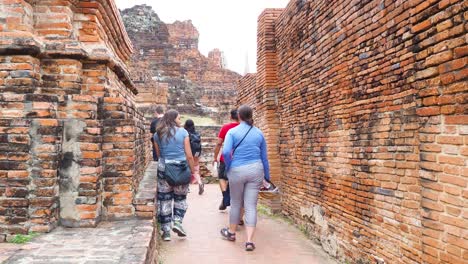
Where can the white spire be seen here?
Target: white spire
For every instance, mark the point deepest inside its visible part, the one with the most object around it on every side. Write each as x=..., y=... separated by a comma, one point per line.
x=246, y=69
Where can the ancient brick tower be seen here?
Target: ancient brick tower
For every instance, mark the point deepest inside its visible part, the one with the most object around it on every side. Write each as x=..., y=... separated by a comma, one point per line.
x=167, y=63
x=72, y=143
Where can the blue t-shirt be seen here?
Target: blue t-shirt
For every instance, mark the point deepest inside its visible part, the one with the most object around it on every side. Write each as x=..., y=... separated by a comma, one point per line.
x=252, y=149
x=174, y=148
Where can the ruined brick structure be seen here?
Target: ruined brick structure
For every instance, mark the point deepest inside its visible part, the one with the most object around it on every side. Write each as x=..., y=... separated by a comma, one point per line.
x=168, y=55
x=73, y=146
x=364, y=106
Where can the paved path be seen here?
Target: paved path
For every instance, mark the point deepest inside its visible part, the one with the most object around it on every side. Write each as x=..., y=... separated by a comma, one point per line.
x=276, y=241
x=110, y=242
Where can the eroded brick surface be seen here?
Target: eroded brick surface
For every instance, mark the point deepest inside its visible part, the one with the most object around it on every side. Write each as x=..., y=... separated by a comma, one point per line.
x=368, y=105
x=73, y=144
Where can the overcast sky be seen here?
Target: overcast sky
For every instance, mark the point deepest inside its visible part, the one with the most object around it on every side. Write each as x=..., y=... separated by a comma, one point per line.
x=230, y=25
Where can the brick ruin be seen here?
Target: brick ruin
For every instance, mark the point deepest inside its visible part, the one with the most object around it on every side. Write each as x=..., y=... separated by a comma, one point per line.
x=167, y=63
x=364, y=107
x=73, y=145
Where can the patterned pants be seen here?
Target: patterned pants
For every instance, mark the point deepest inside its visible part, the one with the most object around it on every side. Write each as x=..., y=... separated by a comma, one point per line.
x=170, y=199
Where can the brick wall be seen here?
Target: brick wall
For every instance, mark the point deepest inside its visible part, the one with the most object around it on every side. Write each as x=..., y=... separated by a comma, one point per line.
x=73, y=147
x=372, y=117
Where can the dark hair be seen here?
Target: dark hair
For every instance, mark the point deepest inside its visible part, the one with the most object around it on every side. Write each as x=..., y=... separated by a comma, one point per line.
x=189, y=125
x=245, y=114
x=167, y=125
x=234, y=114
x=159, y=109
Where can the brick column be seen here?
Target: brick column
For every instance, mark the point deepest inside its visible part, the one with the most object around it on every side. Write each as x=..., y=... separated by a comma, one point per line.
x=29, y=129
x=266, y=109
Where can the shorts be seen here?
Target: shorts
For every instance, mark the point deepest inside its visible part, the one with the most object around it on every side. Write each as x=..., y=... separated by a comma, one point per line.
x=222, y=171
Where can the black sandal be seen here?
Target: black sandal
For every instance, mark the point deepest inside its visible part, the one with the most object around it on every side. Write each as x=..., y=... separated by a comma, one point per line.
x=249, y=246
x=228, y=235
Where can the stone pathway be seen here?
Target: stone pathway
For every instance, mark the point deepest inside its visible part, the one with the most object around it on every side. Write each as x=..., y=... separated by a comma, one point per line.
x=144, y=199
x=110, y=242
x=125, y=242
x=276, y=241
x=128, y=241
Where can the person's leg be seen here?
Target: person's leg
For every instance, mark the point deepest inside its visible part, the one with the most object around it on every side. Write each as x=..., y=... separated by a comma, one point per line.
x=252, y=187
x=236, y=187
x=196, y=173
x=180, y=207
x=223, y=184
x=165, y=196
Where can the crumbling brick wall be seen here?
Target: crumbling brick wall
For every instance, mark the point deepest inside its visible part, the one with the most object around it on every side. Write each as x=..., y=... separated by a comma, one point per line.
x=372, y=112
x=73, y=146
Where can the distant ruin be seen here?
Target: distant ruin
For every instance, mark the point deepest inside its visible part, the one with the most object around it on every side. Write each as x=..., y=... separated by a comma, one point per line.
x=168, y=64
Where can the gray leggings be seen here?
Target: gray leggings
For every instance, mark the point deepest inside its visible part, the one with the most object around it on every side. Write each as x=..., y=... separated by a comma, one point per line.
x=244, y=184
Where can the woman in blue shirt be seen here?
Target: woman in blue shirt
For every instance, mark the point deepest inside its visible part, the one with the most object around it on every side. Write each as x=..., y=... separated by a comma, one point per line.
x=245, y=156
x=172, y=146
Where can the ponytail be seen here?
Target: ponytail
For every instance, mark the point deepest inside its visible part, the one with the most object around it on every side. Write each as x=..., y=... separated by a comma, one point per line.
x=245, y=114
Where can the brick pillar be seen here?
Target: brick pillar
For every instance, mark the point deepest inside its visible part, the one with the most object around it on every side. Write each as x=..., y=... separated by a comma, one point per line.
x=266, y=111
x=80, y=149
x=29, y=130
x=119, y=159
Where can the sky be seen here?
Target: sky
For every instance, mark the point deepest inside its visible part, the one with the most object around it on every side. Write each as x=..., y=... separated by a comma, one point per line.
x=229, y=25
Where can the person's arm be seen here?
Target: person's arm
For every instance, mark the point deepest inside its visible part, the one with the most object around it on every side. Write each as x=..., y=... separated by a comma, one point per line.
x=188, y=154
x=227, y=149
x=264, y=156
x=219, y=144
x=153, y=127
x=156, y=148
x=156, y=144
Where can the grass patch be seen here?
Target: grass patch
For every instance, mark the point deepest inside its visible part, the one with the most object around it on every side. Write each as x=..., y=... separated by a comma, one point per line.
x=198, y=120
x=265, y=211
x=21, y=239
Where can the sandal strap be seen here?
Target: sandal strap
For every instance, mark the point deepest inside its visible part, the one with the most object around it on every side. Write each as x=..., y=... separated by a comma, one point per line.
x=228, y=234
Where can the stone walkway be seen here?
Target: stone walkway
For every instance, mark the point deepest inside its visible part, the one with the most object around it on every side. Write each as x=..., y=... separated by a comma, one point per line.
x=276, y=241
x=127, y=242
x=110, y=242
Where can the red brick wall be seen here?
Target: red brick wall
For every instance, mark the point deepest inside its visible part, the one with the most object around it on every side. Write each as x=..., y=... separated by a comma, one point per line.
x=67, y=104
x=372, y=110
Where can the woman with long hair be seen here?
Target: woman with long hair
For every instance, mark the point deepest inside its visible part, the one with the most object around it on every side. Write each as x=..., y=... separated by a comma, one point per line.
x=195, y=144
x=172, y=146
x=245, y=156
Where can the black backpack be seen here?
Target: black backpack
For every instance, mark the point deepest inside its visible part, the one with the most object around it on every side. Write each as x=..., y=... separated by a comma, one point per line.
x=195, y=144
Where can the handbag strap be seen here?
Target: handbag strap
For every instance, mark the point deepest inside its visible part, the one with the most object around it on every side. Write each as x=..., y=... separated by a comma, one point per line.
x=234, y=150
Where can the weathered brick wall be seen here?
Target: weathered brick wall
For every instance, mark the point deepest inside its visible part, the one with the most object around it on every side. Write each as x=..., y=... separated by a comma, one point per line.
x=261, y=92
x=66, y=102
x=372, y=105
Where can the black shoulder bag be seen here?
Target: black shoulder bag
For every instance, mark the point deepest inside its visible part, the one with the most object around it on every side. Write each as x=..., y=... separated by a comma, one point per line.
x=177, y=174
x=233, y=150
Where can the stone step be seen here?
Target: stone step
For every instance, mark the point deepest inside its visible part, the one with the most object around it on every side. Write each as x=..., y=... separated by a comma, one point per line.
x=144, y=200
x=129, y=241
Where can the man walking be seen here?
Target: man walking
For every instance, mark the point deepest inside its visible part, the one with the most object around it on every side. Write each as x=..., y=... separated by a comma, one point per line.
x=223, y=180
x=159, y=112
